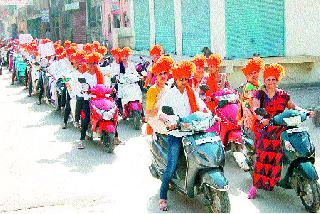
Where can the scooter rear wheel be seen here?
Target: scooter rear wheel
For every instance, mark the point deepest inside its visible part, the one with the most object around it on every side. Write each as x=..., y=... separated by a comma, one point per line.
x=108, y=140
x=137, y=120
x=310, y=195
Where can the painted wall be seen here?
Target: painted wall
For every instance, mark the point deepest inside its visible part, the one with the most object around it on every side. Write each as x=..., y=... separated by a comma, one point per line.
x=302, y=27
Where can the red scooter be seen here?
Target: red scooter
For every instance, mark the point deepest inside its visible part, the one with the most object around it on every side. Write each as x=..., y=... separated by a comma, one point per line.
x=104, y=116
x=227, y=105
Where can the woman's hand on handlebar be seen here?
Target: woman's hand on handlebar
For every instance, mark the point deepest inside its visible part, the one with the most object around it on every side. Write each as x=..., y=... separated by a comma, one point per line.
x=311, y=114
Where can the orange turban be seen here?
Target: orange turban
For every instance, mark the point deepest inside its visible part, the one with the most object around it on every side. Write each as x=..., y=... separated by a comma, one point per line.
x=67, y=44
x=183, y=70
x=214, y=60
x=102, y=50
x=44, y=41
x=88, y=48
x=94, y=57
x=199, y=60
x=126, y=51
x=71, y=50
x=115, y=51
x=255, y=64
x=156, y=50
x=80, y=55
x=274, y=70
x=165, y=63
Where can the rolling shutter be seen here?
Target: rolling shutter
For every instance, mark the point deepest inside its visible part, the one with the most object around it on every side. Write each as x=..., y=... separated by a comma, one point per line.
x=142, y=24
x=195, y=26
x=255, y=27
x=164, y=24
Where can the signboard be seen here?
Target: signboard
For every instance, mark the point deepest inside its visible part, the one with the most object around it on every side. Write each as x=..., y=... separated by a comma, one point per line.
x=46, y=49
x=72, y=6
x=16, y=2
x=25, y=38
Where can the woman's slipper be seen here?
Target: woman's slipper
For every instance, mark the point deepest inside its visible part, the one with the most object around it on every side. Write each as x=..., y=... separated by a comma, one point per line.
x=163, y=206
x=252, y=193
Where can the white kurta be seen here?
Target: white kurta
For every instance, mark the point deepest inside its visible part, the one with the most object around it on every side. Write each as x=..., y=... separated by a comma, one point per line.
x=179, y=102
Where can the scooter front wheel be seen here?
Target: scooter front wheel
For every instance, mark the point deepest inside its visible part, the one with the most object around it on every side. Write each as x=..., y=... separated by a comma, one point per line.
x=310, y=195
x=137, y=120
x=108, y=140
x=220, y=202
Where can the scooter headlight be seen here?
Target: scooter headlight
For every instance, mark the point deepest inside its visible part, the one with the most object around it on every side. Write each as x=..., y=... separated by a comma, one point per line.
x=288, y=146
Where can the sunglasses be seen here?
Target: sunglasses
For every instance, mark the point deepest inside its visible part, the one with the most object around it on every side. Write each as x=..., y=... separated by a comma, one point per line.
x=184, y=79
x=163, y=74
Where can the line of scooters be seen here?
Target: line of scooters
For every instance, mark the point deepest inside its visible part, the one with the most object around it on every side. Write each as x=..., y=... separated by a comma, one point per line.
x=200, y=169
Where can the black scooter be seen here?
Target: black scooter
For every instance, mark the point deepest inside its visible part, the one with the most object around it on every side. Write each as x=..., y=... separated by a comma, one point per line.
x=200, y=166
x=298, y=171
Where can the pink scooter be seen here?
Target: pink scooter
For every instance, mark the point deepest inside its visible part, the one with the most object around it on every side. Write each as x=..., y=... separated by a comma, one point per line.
x=228, y=128
x=104, y=116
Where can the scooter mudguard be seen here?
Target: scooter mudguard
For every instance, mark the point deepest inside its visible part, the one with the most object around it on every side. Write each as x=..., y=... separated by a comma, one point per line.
x=107, y=126
x=215, y=178
x=235, y=136
x=308, y=171
x=135, y=106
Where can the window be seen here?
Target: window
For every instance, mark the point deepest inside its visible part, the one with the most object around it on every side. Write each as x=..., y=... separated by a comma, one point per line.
x=116, y=20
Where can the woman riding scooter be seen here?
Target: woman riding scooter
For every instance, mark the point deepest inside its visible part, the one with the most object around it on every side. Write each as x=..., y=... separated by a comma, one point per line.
x=184, y=101
x=267, y=169
x=161, y=70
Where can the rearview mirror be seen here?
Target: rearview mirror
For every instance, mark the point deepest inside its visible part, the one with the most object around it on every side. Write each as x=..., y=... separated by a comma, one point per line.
x=222, y=103
x=167, y=110
x=204, y=87
x=261, y=111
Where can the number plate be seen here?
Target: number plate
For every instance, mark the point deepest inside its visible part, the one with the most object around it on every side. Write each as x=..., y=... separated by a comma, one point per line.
x=207, y=140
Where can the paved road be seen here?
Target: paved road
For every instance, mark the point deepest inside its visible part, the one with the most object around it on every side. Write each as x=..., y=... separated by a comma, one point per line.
x=42, y=171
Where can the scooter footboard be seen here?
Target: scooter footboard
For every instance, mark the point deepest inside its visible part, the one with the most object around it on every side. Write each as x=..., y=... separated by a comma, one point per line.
x=308, y=171
x=215, y=178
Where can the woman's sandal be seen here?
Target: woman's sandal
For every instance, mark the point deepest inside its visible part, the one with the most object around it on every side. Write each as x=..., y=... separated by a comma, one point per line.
x=252, y=193
x=163, y=205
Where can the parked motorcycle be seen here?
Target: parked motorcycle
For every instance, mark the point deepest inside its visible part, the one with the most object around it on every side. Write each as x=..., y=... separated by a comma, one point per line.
x=131, y=97
x=200, y=166
x=298, y=171
x=230, y=132
x=104, y=116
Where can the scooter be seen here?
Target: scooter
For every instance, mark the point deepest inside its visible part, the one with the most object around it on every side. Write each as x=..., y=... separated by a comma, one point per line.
x=298, y=171
x=200, y=165
x=228, y=128
x=142, y=69
x=20, y=69
x=131, y=97
x=104, y=116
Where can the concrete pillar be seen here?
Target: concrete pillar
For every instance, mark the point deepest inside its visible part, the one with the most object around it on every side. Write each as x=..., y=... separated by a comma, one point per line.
x=152, y=23
x=178, y=26
x=218, y=27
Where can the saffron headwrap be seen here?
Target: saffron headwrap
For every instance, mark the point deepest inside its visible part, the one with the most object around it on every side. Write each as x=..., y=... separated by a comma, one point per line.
x=255, y=64
x=275, y=70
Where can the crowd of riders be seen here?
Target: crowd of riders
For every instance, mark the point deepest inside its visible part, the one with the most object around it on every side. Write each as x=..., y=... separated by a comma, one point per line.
x=187, y=86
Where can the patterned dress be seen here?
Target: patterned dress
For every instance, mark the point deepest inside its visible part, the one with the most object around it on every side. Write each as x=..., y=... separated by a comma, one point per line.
x=267, y=171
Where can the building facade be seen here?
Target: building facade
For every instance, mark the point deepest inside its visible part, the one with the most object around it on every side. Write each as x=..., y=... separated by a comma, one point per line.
x=235, y=29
